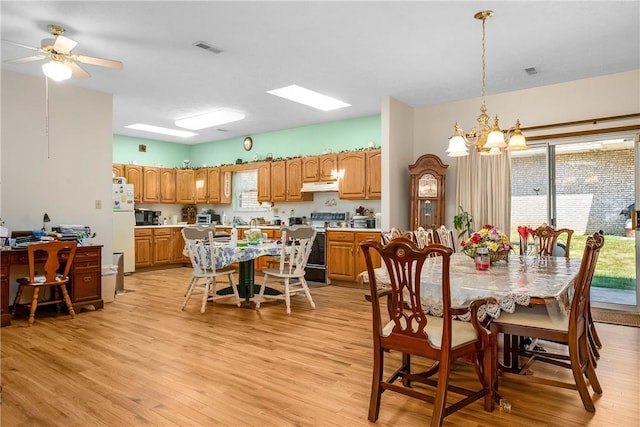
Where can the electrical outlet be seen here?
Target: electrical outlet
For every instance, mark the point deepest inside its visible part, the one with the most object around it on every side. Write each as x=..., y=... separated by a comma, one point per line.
x=98, y=204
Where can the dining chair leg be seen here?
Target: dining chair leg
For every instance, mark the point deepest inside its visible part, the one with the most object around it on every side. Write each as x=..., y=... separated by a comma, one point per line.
x=192, y=285
x=305, y=287
x=579, y=376
x=67, y=301
x=261, y=293
x=17, y=300
x=441, y=393
x=205, y=294
x=376, y=389
x=34, y=305
x=287, y=295
x=234, y=288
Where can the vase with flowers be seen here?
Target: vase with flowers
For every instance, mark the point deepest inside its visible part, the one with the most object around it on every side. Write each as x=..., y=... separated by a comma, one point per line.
x=489, y=237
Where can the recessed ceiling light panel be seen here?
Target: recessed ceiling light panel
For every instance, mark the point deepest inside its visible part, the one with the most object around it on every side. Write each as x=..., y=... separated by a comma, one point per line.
x=207, y=120
x=161, y=130
x=308, y=97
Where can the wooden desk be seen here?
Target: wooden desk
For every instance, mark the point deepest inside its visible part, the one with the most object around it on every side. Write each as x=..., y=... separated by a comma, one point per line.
x=85, y=278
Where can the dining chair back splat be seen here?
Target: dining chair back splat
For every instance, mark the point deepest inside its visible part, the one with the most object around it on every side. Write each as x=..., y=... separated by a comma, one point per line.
x=296, y=246
x=394, y=233
x=52, y=277
x=406, y=328
x=200, y=251
x=445, y=237
x=539, y=322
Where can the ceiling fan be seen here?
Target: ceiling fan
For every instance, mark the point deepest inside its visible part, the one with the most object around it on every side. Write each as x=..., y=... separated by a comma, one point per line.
x=61, y=59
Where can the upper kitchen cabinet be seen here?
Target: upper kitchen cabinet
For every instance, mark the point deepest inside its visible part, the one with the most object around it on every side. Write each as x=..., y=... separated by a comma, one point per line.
x=167, y=185
x=133, y=174
x=219, y=186
x=117, y=170
x=428, y=175
x=201, y=180
x=362, y=174
x=264, y=181
x=150, y=184
x=294, y=181
x=185, y=186
x=319, y=168
x=279, y=181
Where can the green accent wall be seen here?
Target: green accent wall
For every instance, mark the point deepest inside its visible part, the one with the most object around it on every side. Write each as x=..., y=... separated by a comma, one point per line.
x=158, y=153
x=343, y=135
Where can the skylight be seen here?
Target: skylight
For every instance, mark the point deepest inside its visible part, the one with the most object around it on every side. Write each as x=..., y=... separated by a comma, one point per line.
x=211, y=119
x=308, y=97
x=161, y=130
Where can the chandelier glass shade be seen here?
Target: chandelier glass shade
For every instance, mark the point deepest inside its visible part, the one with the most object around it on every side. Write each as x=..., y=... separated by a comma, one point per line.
x=487, y=139
x=56, y=70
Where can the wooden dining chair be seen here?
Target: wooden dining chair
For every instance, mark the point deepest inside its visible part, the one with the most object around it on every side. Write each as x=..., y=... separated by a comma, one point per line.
x=394, y=233
x=200, y=251
x=55, y=277
x=445, y=237
x=550, y=324
x=558, y=243
x=404, y=327
x=296, y=246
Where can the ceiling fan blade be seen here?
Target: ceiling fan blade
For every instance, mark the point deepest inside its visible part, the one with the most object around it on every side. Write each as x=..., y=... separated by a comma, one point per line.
x=37, y=49
x=64, y=44
x=77, y=71
x=110, y=63
x=27, y=59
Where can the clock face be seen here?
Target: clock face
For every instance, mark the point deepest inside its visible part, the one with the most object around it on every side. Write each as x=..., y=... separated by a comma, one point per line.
x=247, y=143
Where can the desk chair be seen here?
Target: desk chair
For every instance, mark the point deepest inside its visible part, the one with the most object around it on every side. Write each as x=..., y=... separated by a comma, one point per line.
x=295, y=250
x=200, y=253
x=404, y=327
x=55, y=276
x=548, y=323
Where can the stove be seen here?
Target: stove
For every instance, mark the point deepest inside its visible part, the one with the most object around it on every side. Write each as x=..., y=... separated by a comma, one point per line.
x=316, y=270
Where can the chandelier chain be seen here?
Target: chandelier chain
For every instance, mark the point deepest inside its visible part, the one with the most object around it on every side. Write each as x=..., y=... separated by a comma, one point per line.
x=484, y=20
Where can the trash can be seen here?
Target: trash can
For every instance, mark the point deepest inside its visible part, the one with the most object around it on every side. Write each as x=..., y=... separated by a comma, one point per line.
x=109, y=273
x=118, y=259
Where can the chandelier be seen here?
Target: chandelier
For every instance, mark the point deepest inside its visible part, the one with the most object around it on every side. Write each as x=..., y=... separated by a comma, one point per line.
x=488, y=140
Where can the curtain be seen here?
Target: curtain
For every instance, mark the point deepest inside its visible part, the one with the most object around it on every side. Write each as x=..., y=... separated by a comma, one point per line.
x=483, y=188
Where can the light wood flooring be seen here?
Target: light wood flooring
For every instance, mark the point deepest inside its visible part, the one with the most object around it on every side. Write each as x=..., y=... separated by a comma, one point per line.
x=141, y=361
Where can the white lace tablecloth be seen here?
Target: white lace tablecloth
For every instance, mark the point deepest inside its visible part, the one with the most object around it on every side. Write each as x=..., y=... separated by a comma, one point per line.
x=510, y=283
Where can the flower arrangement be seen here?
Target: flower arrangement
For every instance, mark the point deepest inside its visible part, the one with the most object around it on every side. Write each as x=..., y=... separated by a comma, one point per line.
x=489, y=237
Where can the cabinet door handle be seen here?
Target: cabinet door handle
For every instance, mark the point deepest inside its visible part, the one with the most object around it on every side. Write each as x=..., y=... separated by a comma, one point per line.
x=86, y=279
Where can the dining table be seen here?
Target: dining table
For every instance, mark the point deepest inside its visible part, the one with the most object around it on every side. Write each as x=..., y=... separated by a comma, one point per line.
x=517, y=280
x=224, y=254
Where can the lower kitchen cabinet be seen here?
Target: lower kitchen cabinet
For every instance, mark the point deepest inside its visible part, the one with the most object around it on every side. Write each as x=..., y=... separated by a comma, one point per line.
x=153, y=246
x=345, y=258
x=177, y=245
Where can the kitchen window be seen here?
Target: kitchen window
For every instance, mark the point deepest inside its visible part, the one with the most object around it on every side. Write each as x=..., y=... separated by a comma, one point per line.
x=245, y=185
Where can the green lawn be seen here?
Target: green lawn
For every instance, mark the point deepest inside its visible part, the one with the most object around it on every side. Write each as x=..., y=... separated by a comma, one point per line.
x=616, y=268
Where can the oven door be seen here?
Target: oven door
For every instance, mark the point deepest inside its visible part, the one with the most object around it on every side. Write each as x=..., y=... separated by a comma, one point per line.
x=316, y=270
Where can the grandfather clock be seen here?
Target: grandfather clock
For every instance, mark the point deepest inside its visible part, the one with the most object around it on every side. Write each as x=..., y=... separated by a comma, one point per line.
x=427, y=192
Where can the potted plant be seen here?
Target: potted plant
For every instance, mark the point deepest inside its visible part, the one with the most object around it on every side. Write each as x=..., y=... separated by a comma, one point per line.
x=463, y=223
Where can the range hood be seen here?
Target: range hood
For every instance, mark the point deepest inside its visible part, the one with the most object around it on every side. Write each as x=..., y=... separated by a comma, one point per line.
x=316, y=187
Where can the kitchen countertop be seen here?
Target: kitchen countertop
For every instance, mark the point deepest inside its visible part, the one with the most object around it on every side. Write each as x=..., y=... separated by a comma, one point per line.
x=266, y=227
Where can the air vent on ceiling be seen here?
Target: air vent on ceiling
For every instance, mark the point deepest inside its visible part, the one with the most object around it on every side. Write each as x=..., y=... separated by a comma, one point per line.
x=222, y=130
x=207, y=46
x=531, y=70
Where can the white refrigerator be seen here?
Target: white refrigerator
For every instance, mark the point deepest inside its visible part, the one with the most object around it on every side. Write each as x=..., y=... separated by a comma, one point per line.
x=124, y=221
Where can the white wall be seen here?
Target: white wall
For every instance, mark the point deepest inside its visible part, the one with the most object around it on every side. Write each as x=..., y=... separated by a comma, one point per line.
x=397, y=155
x=66, y=175
x=611, y=95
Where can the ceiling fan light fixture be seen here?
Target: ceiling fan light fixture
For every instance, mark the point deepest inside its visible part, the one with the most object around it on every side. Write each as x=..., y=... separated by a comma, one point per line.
x=56, y=70
x=207, y=120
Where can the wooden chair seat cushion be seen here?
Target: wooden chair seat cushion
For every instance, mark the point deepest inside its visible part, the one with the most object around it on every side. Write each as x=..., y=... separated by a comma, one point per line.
x=461, y=332
x=540, y=316
x=277, y=273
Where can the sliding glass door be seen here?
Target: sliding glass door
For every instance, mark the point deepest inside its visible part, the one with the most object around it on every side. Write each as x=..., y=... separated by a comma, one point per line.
x=585, y=185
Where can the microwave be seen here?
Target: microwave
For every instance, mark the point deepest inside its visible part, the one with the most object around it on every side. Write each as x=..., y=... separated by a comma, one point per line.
x=203, y=219
x=147, y=217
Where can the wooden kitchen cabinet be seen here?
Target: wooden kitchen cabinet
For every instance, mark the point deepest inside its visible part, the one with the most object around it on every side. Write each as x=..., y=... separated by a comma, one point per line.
x=117, y=170
x=153, y=246
x=185, y=186
x=279, y=181
x=294, y=181
x=151, y=184
x=213, y=185
x=177, y=247
x=201, y=188
x=345, y=258
x=86, y=278
x=264, y=181
x=362, y=174
x=319, y=168
x=167, y=185
x=133, y=173
x=340, y=255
